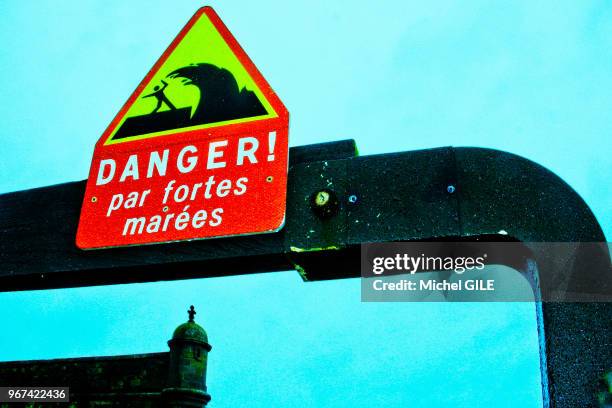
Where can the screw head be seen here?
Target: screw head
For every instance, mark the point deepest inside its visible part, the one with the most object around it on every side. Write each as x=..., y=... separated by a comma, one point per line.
x=321, y=198
x=324, y=203
x=165, y=209
x=269, y=179
x=352, y=199
x=94, y=199
x=450, y=189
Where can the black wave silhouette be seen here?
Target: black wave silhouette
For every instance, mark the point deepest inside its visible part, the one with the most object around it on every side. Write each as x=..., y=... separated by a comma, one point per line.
x=220, y=100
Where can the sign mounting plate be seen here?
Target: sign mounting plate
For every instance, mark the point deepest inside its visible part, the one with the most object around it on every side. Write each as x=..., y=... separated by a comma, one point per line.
x=199, y=150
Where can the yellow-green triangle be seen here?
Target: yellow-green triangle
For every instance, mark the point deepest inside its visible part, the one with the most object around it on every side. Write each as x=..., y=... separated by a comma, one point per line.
x=202, y=44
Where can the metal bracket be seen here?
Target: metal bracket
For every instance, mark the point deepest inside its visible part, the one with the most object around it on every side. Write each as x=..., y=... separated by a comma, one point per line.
x=445, y=193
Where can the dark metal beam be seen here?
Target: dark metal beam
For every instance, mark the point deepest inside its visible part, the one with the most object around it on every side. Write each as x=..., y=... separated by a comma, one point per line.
x=444, y=193
x=37, y=242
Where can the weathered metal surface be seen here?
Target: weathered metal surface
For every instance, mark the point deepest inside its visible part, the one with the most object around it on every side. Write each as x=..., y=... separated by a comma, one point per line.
x=37, y=249
x=445, y=193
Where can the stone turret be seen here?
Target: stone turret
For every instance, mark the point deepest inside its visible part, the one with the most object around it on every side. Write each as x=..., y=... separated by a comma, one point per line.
x=186, y=385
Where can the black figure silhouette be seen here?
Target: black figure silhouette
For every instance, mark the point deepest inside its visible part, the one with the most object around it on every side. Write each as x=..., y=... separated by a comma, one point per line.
x=161, y=97
x=220, y=100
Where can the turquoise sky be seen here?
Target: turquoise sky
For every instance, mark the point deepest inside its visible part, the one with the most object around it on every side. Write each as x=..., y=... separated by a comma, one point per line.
x=532, y=79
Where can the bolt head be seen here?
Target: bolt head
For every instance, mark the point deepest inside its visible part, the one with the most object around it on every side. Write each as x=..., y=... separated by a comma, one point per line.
x=321, y=198
x=324, y=203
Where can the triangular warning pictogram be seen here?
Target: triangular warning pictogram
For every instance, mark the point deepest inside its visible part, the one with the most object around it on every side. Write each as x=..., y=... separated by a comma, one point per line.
x=203, y=80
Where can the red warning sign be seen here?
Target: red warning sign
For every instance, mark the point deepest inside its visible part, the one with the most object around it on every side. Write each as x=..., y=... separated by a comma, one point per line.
x=199, y=150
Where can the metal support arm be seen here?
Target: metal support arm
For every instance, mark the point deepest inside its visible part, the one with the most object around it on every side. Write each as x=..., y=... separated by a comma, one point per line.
x=443, y=193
